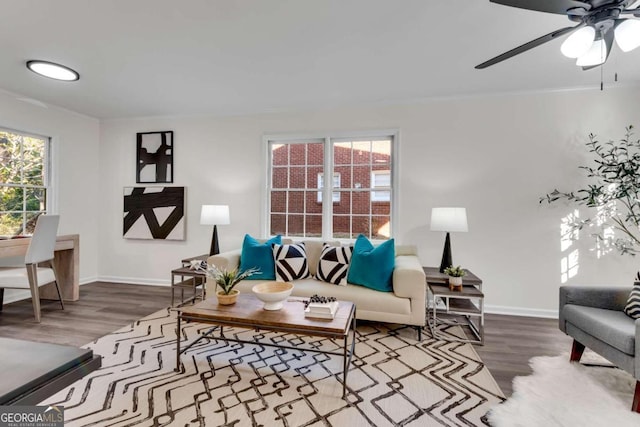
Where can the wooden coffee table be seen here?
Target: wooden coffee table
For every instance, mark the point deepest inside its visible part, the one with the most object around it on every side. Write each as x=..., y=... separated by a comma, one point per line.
x=248, y=313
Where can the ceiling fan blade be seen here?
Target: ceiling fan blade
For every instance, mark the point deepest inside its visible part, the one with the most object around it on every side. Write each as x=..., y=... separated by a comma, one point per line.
x=608, y=41
x=550, y=6
x=527, y=46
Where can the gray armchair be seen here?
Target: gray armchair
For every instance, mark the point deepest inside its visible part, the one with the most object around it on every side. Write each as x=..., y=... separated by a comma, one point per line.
x=594, y=318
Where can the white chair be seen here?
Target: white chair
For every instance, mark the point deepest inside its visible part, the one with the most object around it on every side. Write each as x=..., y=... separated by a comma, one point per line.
x=32, y=276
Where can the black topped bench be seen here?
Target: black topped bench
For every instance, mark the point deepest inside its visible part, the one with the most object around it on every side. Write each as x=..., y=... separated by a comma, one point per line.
x=31, y=371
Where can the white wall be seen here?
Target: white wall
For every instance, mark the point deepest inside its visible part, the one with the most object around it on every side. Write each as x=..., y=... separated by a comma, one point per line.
x=75, y=166
x=494, y=155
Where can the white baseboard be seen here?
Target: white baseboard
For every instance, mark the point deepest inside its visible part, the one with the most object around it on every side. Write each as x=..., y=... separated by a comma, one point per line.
x=134, y=280
x=86, y=280
x=521, y=311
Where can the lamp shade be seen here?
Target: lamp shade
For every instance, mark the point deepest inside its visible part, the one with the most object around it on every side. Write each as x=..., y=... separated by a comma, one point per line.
x=449, y=219
x=578, y=43
x=596, y=55
x=214, y=215
x=628, y=34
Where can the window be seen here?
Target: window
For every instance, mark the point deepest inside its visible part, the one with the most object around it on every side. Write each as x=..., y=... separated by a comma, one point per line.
x=24, y=183
x=361, y=189
x=335, y=196
x=381, y=184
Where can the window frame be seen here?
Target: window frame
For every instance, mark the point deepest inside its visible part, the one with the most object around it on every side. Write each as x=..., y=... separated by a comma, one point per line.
x=48, y=175
x=328, y=138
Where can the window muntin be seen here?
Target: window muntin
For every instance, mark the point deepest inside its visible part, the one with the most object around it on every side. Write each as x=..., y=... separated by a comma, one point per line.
x=335, y=196
x=361, y=189
x=24, y=183
x=358, y=160
x=295, y=210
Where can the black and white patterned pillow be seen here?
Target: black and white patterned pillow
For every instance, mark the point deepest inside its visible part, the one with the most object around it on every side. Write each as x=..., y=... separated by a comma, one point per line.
x=632, y=309
x=334, y=264
x=290, y=261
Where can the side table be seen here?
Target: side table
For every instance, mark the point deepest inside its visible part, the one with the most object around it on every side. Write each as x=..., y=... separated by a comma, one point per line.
x=189, y=279
x=467, y=303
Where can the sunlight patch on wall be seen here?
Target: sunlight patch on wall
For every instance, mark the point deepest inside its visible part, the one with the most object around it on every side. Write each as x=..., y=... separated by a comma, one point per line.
x=567, y=233
x=603, y=213
x=569, y=264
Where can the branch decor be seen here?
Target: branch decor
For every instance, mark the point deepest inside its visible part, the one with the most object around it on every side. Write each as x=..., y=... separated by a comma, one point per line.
x=613, y=188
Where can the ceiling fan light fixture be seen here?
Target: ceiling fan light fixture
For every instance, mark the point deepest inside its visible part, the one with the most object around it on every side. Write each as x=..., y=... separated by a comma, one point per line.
x=53, y=70
x=628, y=35
x=596, y=55
x=578, y=43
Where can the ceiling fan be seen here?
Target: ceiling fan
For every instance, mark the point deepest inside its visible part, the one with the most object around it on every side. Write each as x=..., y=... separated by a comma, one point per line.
x=590, y=42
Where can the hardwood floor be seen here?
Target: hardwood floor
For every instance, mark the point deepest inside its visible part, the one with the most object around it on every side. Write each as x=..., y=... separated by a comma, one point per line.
x=104, y=307
x=510, y=341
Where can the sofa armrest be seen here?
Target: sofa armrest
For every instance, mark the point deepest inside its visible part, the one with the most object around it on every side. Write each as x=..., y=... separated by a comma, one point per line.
x=409, y=282
x=408, y=277
x=226, y=260
x=607, y=297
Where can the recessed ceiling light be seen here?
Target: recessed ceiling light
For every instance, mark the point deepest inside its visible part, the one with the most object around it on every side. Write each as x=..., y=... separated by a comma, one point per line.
x=53, y=71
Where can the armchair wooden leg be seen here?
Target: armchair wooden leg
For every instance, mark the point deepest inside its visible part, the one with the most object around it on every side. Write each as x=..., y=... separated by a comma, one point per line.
x=576, y=351
x=33, y=286
x=635, y=406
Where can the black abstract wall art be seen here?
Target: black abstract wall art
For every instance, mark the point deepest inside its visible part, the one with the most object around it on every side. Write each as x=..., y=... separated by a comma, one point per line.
x=154, y=161
x=154, y=213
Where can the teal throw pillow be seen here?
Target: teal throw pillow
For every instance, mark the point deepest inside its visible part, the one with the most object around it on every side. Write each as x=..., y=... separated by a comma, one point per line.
x=372, y=266
x=259, y=255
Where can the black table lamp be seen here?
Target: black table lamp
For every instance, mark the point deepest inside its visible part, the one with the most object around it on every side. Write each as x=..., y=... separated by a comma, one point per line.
x=214, y=215
x=449, y=220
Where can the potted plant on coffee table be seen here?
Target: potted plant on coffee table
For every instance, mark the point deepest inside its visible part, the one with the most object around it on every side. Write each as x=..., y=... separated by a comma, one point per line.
x=455, y=277
x=227, y=281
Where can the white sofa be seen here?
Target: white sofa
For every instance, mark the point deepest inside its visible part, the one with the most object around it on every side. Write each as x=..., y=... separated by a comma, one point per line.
x=405, y=305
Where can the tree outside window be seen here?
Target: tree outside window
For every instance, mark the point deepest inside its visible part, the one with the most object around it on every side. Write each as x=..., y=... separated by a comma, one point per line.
x=23, y=181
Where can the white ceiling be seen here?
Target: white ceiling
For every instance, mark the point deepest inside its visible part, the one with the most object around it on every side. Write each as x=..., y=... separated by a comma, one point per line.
x=170, y=57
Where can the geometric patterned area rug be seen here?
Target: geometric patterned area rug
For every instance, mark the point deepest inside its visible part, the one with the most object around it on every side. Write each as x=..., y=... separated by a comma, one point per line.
x=394, y=380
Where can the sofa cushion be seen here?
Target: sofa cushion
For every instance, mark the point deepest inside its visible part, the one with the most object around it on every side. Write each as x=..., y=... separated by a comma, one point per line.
x=372, y=266
x=632, y=309
x=610, y=326
x=366, y=300
x=259, y=255
x=290, y=262
x=333, y=265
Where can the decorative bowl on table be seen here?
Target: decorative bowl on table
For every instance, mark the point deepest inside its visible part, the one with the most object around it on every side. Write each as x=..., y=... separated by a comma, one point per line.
x=273, y=294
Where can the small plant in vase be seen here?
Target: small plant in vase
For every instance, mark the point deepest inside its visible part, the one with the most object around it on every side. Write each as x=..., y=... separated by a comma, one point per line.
x=227, y=281
x=455, y=277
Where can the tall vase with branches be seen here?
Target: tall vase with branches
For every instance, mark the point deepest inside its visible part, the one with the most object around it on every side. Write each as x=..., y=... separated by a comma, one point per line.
x=613, y=188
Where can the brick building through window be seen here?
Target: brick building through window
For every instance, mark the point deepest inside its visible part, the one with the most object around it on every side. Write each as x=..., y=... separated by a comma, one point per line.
x=361, y=189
